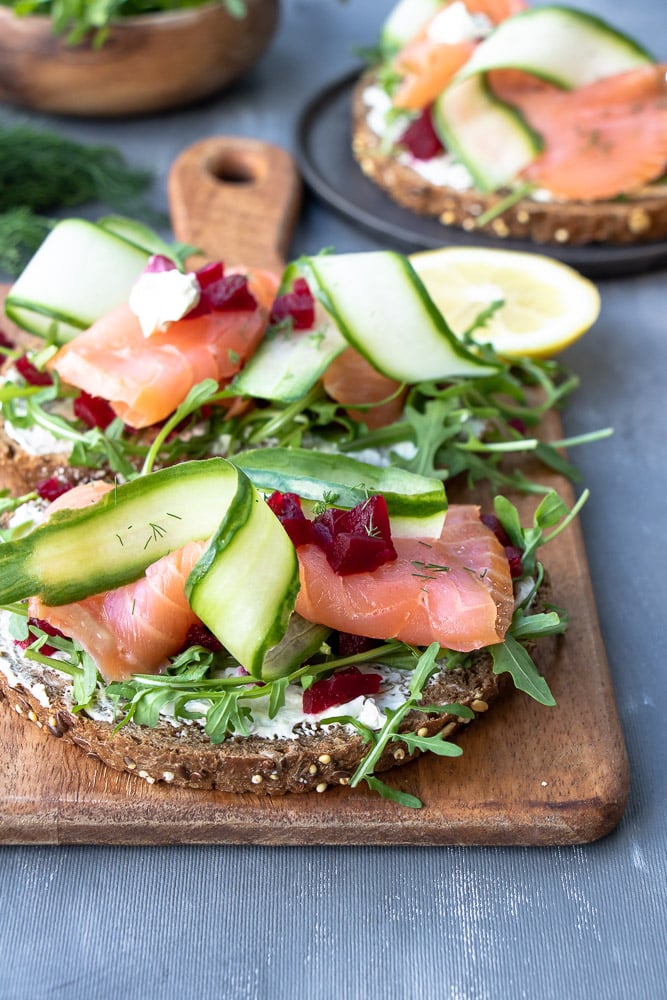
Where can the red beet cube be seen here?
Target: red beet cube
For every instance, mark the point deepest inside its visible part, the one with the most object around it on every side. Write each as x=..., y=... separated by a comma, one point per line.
x=287, y=508
x=420, y=138
x=5, y=341
x=199, y=635
x=32, y=375
x=492, y=522
x=341, y=687
x=93, y=411
x=348, y=644
x=209, y=274
x=39, y=623
x=230, y=293
x=297, y=305
x=514, y=558
x=52, y=488
x=158, y=262
x=356, y=540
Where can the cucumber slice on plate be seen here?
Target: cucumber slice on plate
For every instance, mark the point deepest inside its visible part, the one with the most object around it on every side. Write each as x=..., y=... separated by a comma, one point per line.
x=559, y=44
x=243, y=587
x=417, y=504
x=382, y=308
x=80, y=272
x=490, y=137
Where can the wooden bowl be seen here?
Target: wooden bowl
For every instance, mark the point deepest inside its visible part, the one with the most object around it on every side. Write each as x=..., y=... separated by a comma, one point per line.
x=147, y=64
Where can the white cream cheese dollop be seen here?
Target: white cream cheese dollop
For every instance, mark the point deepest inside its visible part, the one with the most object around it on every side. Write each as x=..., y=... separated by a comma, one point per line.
x=454, y=25
x=158, y=298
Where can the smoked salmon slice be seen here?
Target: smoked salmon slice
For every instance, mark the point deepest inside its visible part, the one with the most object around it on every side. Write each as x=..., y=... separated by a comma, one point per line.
x=456, y=590
x=351, y=379
x=602, y=140
x=428, y=65
x=146, y=378
x=132, y=629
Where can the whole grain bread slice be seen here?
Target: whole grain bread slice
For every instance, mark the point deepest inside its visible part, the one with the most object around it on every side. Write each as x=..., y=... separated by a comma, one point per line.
x=638, y=218
x=181, y=753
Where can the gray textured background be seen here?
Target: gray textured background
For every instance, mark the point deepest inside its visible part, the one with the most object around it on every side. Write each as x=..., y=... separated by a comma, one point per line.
x=451, y=923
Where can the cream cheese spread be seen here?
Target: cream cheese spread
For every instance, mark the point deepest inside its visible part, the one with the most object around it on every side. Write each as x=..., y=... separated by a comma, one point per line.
x=158, y=298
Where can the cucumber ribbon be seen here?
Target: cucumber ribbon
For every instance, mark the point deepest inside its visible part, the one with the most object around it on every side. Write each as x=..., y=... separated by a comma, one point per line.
x=244, y=585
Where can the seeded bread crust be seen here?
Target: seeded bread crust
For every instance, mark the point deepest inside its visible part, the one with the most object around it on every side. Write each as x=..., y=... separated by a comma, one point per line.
x=183, y=755
x=20, y=472
x=639, y=218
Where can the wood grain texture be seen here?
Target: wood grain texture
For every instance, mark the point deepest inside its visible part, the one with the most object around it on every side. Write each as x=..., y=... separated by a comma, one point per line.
x=236, y=199
x=147, y=64
x=528, y=774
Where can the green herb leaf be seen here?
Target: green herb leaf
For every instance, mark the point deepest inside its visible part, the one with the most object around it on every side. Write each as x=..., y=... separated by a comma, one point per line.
x=431, y=744
x=510, y=657
x=393, y=794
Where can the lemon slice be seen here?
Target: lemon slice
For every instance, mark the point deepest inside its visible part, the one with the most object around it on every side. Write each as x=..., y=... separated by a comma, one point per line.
x=546, y=305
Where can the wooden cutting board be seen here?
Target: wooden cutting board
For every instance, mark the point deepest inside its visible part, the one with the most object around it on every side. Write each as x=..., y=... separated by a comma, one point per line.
x=528, y=774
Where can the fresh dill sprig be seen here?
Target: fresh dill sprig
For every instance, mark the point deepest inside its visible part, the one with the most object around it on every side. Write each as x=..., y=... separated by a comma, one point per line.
x=22, y=232
x=43, y=170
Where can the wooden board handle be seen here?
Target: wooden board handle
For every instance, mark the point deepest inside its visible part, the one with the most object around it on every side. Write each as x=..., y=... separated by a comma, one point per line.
x=236, y=199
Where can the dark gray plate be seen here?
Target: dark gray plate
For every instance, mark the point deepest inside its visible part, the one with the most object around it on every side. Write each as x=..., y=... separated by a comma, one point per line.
x=327, y=164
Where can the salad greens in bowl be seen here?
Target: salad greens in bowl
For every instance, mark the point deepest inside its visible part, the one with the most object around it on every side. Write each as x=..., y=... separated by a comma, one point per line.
x=125, y=57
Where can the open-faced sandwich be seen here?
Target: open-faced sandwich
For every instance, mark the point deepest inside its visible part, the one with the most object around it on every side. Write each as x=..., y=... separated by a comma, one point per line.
x=542, y=123
x=286, y=617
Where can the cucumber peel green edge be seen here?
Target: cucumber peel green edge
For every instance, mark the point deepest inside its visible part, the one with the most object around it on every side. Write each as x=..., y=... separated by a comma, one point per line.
x=111, y=543
x=313, y=475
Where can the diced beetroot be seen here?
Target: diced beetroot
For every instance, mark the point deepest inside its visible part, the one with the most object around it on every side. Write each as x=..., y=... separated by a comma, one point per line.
x=343, y=686
x=420, y=138
x=32, y=375
x=158, y=262
x=199, y=635
x=208, y=278
x=287, y=508
x=93, y=411
x=47, y=649
x=297, y=305
x=356, y=540
x=492, y=522
x=5, y=341
x=513, y=552
x=518, y=424
x=358, y=553
x=230, y=293
x=210, y=273
x=52, y=488
x=348, y=644
x=515, y=559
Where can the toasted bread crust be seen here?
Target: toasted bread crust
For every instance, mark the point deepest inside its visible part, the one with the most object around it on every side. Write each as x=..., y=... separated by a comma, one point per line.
x=640, y=218
x=20, y=471
x=183, y=755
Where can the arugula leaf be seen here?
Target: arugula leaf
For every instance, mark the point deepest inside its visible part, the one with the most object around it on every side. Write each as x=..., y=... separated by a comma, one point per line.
x=433, y=744
x=226, y=716
x=511, y=657
x=393, y=794
x=85, y=681
x=277, y=696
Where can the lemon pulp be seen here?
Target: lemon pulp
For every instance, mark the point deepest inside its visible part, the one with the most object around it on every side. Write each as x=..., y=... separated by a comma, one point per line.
x=546, y=305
